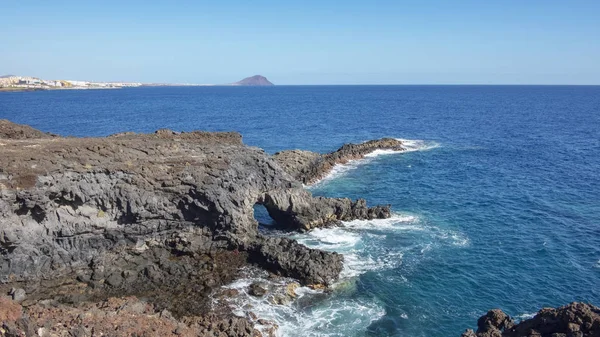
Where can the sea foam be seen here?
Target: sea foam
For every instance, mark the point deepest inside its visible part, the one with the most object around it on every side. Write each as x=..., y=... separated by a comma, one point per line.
x=312, y=313
x=316, y=313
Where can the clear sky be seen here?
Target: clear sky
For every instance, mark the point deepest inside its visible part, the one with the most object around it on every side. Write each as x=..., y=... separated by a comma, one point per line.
x=304, y=42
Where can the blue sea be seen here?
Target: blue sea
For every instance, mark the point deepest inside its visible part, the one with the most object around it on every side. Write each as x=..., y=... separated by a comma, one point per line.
x=497, y=205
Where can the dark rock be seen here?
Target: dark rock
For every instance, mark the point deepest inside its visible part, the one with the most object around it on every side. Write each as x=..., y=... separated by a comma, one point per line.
x=115, y=279
x=305, y=212
x=575, y=319
x=309, y=167
x=257, y=289
x=309, y=266
x=493, y=323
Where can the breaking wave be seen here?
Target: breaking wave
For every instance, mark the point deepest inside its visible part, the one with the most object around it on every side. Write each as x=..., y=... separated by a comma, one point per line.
x=343, y=311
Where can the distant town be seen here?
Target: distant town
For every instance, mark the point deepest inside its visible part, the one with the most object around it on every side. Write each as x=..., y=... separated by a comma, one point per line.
x=16, y=83
x=28, y=83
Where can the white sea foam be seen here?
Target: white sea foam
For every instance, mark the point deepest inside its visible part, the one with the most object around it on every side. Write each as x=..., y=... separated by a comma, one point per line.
x=339, y=170
x=380, y=152
x=397, y=221
x=525, y=316
x=311, y=314
x=315, y=313
x=336, y=239
x=355, y=265
x=412, y=145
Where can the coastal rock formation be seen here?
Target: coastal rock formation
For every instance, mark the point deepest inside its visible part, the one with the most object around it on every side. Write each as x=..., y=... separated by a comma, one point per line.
x=165, y=216
x=573, y=320
x=309, y=167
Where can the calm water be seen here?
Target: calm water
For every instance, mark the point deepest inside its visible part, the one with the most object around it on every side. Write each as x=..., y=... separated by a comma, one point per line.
x=500, y=207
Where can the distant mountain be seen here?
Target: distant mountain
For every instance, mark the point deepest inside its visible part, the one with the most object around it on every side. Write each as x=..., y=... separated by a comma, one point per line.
x=7, y=76
x=256, y=80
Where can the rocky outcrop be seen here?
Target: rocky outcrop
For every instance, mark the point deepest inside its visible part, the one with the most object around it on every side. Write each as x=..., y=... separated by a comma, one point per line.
x=303, y=212
x=165, y=216
x=573, y=320
x=309, y=167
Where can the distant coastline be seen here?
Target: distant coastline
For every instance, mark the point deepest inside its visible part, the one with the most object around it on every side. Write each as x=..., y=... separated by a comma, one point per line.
x=13, y=83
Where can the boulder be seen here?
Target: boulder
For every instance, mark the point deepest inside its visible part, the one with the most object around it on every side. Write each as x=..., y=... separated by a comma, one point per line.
x=257, y=289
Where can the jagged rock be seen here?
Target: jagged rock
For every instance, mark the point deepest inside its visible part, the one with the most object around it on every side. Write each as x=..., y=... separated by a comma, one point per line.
x=167, y=216
x=575, y=319
x=257, y=289
x=302, y=211
x=493, y=323
x=308, y=167
x=288, y=257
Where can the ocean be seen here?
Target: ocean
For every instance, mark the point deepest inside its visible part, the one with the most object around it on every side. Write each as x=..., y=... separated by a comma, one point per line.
x=497, y=205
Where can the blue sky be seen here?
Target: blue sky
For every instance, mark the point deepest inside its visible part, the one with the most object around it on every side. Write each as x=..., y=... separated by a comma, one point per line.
x=307, y=42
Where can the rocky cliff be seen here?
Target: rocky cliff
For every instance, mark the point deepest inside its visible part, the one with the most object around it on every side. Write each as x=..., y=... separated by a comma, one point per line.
x=166, y=216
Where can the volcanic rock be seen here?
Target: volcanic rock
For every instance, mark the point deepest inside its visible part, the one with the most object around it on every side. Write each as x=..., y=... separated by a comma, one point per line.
x=309, y=167
x=257, y=289
x=166, y=216
x=573, y=320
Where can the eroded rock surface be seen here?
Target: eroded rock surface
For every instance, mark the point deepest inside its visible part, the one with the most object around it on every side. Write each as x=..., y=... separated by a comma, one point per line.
x=309, y=167
x=573, y=320
x=166, y=216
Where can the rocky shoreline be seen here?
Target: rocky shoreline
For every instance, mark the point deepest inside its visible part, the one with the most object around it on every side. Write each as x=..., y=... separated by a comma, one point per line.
x=165, y=218
x=132, y=234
